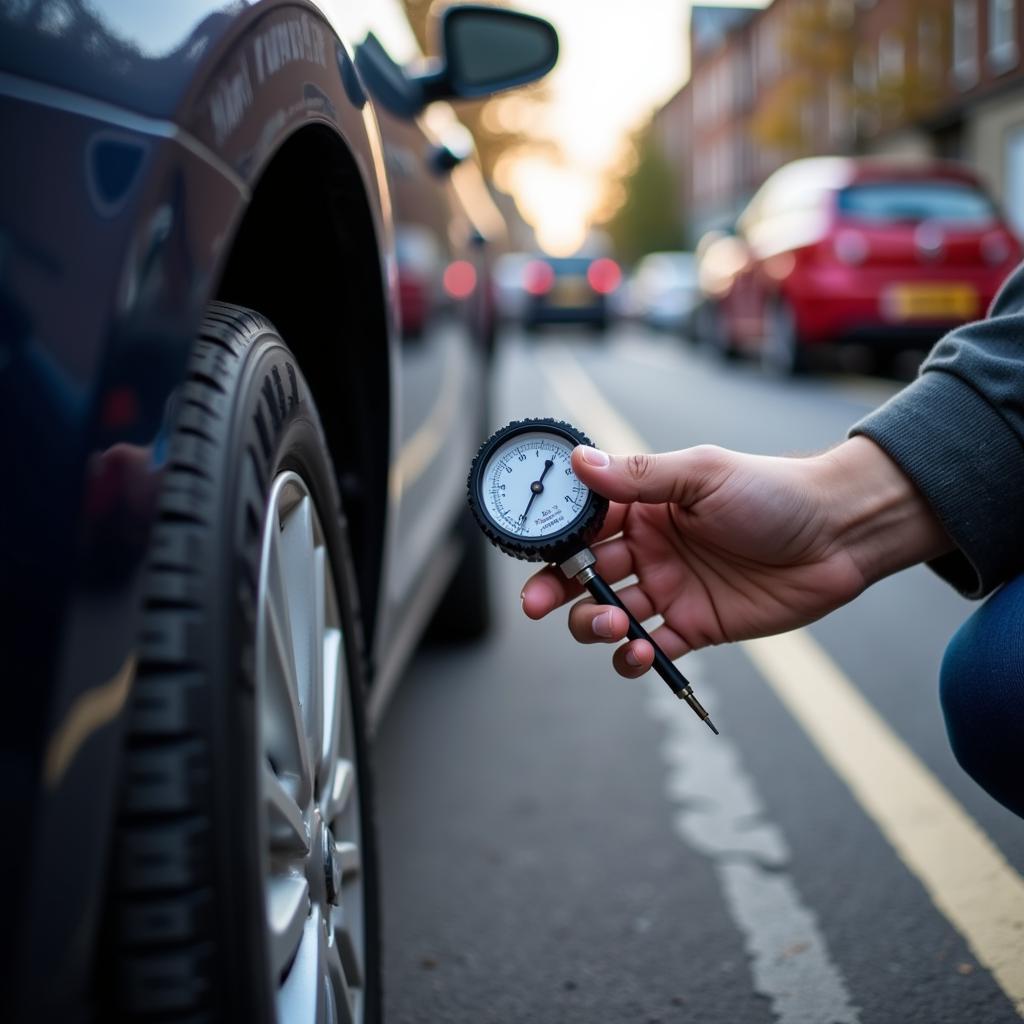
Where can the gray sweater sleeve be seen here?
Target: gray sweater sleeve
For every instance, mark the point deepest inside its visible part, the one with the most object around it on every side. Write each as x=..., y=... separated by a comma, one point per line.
x=958, y=432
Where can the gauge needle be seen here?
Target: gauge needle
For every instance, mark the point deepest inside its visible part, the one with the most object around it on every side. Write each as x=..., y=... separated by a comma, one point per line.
x=536, y=488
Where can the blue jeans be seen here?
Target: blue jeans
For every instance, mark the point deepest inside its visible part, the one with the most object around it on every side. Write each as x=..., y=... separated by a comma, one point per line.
x=982, y=692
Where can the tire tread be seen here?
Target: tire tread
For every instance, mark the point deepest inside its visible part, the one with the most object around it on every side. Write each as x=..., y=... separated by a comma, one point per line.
x=159, y=962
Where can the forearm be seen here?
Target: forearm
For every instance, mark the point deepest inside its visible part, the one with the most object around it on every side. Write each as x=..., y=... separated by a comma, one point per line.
x=876, y=514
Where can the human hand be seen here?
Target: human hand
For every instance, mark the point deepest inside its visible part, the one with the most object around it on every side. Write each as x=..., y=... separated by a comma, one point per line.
x=727, y=546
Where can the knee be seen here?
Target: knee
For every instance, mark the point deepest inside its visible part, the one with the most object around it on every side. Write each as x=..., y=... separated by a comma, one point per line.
x=982, y=694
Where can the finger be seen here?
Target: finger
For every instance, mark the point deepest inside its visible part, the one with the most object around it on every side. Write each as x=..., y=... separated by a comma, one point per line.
x=635, y=658
x=592, y=623
x=588, y=624
x=632, y=660
x=549, y=589
x=643, y=477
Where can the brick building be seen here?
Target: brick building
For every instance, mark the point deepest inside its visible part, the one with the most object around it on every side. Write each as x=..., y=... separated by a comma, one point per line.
x=952, y=73
x=807, y=77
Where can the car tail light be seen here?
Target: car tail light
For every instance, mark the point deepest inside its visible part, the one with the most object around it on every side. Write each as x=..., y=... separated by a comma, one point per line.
x=604, y=276
x=996, y=248
x=851, y=248
x=538, y=277
x=460, y=279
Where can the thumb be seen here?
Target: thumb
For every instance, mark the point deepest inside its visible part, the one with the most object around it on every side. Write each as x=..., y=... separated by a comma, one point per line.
x=651, y=479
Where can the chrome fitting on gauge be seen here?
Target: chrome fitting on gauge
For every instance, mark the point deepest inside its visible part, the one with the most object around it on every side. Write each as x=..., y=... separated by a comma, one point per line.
x=579, y=566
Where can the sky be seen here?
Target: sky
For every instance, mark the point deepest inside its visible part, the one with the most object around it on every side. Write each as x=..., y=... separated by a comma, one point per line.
x=620, y=60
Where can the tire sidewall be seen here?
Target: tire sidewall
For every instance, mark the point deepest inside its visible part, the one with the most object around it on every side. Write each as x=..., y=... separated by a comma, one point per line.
x=296, y=444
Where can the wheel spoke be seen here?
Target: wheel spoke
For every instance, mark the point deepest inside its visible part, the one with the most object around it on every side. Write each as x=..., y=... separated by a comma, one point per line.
x=284, y=732
x=349, y=858
x=343, y=995
x=287, y=918
x=333, y=698
x=341, y=791
x=301, y=997
x=351, y=961
x=288, y=831
x=298, y=565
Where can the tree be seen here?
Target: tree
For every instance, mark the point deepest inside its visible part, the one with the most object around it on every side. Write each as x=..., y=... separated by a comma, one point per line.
x=649, y=219
x=816, y=39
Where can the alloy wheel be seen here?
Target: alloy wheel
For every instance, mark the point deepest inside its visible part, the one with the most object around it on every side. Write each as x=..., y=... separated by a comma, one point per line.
x=313, y=879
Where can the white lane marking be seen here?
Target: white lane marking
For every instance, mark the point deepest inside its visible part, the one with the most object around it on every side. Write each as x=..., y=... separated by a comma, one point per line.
x=721, y=813
x=579, y=395
x=636, y=348
x=722, y=816
x=967, y=877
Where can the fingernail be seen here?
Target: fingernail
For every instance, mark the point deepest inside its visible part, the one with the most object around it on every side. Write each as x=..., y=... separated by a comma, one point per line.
x=602, y=624
x=631, y=659
x=594, y=456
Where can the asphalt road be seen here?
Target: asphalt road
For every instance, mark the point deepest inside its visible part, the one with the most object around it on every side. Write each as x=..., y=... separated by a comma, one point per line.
x=560, y=844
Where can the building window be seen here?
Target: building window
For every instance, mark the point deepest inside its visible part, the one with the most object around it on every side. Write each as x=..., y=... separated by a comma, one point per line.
x=965, y=43
x=865, y=72
x=929, y=47
x=1002, y=34
x=890, y=59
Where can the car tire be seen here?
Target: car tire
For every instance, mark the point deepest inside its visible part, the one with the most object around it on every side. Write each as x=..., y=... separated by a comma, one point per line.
x=782, y=354
x=243, y=874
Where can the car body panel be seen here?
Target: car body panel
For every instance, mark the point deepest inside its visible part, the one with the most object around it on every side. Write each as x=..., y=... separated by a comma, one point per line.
x=141, y=136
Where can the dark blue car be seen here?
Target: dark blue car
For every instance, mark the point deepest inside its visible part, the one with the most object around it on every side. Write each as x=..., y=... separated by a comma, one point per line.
x=232, y=487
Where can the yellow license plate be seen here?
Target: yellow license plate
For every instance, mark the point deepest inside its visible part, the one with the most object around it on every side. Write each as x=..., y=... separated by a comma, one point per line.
x=571, y=292
x=939, y=301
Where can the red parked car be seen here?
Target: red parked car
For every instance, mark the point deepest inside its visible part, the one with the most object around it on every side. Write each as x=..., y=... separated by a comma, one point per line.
x=835, y=249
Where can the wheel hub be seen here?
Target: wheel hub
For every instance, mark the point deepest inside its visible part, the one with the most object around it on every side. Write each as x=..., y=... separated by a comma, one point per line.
x=331, y=865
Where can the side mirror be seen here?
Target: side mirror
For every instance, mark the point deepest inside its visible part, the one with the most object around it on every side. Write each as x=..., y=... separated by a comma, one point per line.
x=483, y=50
x=488, y=49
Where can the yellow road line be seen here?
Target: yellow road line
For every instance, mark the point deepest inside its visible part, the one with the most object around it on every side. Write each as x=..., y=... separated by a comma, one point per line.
x=967, y=878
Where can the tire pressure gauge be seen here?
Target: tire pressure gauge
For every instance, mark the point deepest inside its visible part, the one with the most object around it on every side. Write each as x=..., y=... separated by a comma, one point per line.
x=531, y=505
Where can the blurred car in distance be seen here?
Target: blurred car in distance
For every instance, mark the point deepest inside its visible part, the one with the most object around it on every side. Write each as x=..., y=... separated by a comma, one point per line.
x=664, y=291
x=420, y=266
x=240, y=488
x=509, y=283
x=833, y=250
x=569, y=290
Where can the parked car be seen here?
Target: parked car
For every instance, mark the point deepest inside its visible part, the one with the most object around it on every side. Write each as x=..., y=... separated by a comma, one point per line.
x=510, y=285
x=234, y=497
x=832, y=250
x=569, y=290
x=664, y=292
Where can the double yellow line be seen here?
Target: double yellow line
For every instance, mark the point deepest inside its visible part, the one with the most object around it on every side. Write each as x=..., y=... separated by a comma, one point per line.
x=967, y=878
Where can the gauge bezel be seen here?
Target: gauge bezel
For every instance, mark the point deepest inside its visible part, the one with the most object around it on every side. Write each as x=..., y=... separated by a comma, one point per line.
x=557, y=546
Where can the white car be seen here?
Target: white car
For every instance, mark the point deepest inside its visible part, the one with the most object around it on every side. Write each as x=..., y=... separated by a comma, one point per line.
x=664, y=292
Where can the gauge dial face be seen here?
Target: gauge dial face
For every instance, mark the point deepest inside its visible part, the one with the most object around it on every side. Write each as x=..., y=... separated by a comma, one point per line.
x=528, y=488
